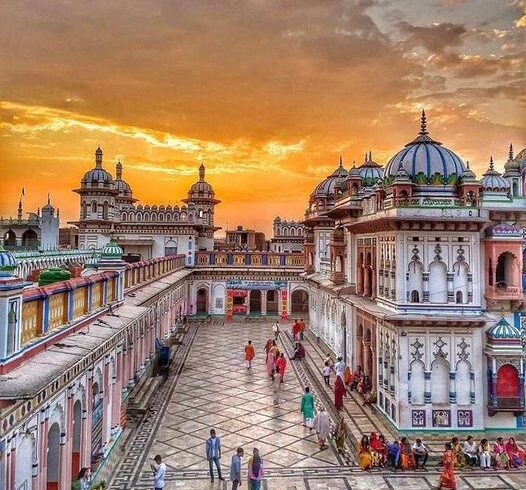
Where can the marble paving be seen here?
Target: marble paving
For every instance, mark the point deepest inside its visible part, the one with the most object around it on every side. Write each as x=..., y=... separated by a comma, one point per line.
x=212, y=388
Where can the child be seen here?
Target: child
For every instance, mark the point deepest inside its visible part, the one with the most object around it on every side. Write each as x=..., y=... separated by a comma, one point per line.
x=327, y=373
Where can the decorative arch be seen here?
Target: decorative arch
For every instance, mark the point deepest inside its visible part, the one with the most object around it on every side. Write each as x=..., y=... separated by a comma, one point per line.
x=415, y=281
x=437, y=282
x=417, y=382
x=508, y=382
x=463, y=382
x=440, y=380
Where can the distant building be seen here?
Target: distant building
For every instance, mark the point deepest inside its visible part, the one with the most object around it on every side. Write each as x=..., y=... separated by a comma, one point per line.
x=108, y=209
x=68, y=237
x=288, y=236
x=243, y=239
x=38, y=231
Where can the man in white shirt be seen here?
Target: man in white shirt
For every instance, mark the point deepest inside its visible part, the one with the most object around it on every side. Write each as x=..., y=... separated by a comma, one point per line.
x=275, y=329
x=420, y=452
x=339, y=367
x=159, y=473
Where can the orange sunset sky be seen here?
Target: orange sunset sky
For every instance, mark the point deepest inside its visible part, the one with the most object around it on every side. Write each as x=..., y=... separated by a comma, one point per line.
x=267, y=93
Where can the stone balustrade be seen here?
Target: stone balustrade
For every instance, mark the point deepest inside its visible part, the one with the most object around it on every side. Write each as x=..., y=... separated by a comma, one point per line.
x=218, y=259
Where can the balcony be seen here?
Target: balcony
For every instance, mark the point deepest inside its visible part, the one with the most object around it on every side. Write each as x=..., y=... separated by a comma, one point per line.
x=506, y=404
x=503, y=292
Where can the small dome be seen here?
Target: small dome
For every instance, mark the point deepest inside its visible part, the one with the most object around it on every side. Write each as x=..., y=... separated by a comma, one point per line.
x=327, y=187
x=426, y=161
x=122, y=186
x=7, y=260
x=201, y=189
x=511, y=167
x=111, y=250
x=52, y=275
x=370, y=171
x=468, y=175
x=493, y=180
x=502, y=330
x=97, y=175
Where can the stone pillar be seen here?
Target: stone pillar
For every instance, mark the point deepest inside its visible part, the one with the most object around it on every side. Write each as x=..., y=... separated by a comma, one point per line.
x=67, y=447
x=44, y=423
x=264, y=302
x=106, y=403
x=116, y=394
x=63, y=462
x=450, y=289
x=452, y=387
x=249, y=293
x=425, y=287
x=10, y=463
x=366, y=357
x=427, y=384
x=365, y=280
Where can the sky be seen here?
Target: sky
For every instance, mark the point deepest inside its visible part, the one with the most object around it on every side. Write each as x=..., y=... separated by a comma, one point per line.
x=267, y=93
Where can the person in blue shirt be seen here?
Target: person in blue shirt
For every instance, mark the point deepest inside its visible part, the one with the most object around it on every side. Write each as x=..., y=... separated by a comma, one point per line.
x=159, y=473
x=213, y=454
x=394, y=453
x=235, y=468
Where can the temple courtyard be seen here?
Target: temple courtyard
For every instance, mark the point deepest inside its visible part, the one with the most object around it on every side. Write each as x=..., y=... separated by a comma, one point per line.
x=210, y=387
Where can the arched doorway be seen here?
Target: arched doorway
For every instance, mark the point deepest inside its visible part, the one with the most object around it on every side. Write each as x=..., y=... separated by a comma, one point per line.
x=272, y=302
x=24, y=462
x=10, y=239
x=202, y=301
x=30, y=239
x=300, y=301
x=77, y=438
x=504, y=271
x=508, y=382
x=255, y=302
x=53, y=457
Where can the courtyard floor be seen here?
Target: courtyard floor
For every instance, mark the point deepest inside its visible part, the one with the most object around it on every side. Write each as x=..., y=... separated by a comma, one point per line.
x=210, y=387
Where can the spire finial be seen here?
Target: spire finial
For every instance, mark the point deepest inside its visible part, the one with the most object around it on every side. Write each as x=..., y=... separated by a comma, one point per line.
x=370, y=156
x=365, y=160
x=510, y=155
x=423, y=123
x=48, y=199
x=341, y=161
x=467, y=164
x=98, y=157
x=202, y=172
x=491, y=163
x=119, y=170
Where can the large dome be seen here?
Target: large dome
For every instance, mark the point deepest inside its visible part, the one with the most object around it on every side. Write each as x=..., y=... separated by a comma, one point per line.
x=426, y=160
x=97, y=175
x=327, y=186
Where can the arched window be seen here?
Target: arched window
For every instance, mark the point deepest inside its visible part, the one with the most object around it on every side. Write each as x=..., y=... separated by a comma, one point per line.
x=463, y=383
x=459, y=299
x=460, y=281
x=93, y=207
x=440, y=380
x=415, y=281
x=415, y=296
x=105, y=210
x=504, y=272
x=508, y=384
x=417, y=383
x=437, y=282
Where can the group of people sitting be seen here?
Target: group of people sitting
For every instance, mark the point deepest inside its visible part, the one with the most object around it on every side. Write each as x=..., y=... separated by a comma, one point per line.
x=376, y=451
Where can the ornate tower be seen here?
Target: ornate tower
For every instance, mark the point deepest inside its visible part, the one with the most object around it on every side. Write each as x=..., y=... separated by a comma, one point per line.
x=202, y=195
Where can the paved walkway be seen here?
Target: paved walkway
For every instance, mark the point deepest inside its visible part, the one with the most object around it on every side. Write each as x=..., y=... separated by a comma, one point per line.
x=210, y=387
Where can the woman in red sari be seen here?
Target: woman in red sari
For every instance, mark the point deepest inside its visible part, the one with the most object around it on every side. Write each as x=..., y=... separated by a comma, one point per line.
x=447, y=477
x=339, y=392
x=515, y=453
x=379, y=446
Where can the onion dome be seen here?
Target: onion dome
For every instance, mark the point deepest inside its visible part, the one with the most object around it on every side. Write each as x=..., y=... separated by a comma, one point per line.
x=97, y=176
x=52, y=275
x=201, y=189
x=329, y=186
x=493, y=180
x=370, y=171
x=111, y=250
x=91, y=263
x=7, y=262
x=502, y=330
x=121, y=186
x=511, y=167
x=426, y=161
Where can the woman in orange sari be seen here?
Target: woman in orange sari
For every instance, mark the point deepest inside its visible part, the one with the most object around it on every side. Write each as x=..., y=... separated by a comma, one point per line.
x=347, y=377
x=447, y=477
x=407, y=458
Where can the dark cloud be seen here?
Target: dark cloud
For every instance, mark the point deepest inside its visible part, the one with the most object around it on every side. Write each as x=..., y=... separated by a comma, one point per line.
x=436, y=38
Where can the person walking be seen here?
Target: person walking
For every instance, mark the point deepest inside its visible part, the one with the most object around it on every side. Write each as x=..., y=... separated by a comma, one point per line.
x=281, y=364
x=322, y=426
x=339, y=392
x=249, y=354
x=275, y=329
x=277, y=386
x=307, y=408
x=213, y=454
x=326, y=371
x=235, y=468
x=268, y=345
x=339, y=367
x=447, y=477
x=302, y=329
x=255, y=470
x=341, y=434
x=159, y=472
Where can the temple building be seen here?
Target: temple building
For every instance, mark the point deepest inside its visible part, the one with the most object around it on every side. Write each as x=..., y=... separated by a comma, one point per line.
x=108, y=208
x=415, y=273
x=287, y=236
x=39, y=231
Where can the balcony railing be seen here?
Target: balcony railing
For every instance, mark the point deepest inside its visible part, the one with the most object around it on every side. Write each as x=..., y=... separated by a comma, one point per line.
x=219, y=259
